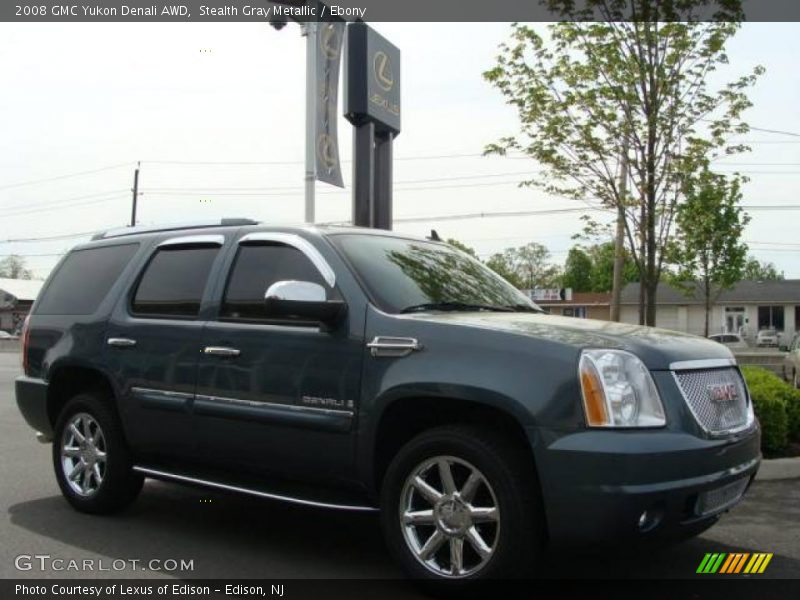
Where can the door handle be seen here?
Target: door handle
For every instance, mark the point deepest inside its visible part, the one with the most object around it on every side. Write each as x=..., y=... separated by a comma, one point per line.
x=121, y=342
x=221, y=351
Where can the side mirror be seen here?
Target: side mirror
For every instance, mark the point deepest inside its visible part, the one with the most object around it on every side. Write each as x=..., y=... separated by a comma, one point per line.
x=304, y=300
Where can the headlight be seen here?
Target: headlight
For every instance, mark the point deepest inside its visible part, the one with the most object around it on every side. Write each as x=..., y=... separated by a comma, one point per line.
x=618, y=391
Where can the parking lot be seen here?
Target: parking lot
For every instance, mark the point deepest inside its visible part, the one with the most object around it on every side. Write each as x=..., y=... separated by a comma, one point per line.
x=237, y=537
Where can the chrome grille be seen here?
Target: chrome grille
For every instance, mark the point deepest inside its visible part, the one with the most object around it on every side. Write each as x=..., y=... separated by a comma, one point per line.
x=702, y=390
x=720, y=498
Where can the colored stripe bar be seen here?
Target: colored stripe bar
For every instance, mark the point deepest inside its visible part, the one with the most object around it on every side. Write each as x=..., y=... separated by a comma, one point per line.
x=713, y=568
x=732, y=558
x=765, y=563
x=740, y=564
x=701, y=568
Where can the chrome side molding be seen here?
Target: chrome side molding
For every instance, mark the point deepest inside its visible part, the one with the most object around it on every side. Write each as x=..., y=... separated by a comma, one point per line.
x=119, y=342
x=243, y=490
x=393, y=347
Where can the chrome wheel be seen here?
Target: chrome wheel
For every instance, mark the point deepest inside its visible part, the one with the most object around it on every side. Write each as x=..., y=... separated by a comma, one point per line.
x=449, y=516
x=83, y=454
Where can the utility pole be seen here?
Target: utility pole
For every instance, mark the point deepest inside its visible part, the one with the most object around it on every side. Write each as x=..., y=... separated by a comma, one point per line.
x=310, y=32
x=619, y=244
x=135, y=193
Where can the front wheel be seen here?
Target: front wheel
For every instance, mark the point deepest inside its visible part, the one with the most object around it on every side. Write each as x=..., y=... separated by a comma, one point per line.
x=460, y=504
x=92, y=462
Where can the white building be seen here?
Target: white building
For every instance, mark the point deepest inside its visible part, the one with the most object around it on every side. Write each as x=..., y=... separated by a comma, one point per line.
x=746, y=308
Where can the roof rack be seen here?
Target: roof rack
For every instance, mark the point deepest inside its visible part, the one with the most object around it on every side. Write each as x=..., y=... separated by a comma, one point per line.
x=123, y=231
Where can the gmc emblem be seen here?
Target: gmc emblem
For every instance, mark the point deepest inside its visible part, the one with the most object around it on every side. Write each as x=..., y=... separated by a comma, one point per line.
x=723, y=392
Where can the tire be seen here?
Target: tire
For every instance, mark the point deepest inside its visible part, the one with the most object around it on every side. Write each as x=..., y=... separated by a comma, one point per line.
x=103, y=480
x=514, y=538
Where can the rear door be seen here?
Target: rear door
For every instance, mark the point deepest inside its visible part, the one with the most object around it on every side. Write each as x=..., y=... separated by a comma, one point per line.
x=277, y=395
x=153, y=343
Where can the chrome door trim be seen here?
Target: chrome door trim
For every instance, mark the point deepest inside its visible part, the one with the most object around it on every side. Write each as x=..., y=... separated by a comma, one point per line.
x=222, y=351
x=171, y=393
x=120, y=342
x=704, y=363
x=393, y=346
x=299, y=243
x=209, y=240
x=243, y=490
x=289, y=408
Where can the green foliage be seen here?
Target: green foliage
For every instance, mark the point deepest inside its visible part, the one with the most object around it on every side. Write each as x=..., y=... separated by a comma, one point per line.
x=578, y=270
x=13, y=267
x=755, y=270
x=602, y=256
x=708, y=248
x=599, y=88
x=777, y=406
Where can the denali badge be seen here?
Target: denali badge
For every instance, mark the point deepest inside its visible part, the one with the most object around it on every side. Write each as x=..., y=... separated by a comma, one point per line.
x=723, y=392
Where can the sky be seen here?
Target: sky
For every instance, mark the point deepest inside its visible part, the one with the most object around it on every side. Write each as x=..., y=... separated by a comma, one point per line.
x=215, y=114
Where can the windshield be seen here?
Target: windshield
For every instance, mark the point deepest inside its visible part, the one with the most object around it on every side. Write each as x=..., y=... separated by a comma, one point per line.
x=404, y=275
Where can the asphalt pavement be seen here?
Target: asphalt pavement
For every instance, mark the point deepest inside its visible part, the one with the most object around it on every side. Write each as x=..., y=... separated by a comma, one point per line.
x=231, y=536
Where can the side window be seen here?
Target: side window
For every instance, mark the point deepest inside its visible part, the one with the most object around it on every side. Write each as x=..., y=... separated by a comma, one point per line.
x=173, y=282
x=84, y=279
x=255, y=269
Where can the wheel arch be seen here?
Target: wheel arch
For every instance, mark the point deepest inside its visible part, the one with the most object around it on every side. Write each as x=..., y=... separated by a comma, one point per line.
x=403, y=414
x=66, y=380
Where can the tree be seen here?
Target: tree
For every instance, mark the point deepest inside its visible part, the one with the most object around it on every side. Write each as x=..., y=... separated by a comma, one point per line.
x=602, y=256
x=755, y=270
x=708, y=248
x=578, y=270
x=13, y=267
x=637, y=77
x=502, y=263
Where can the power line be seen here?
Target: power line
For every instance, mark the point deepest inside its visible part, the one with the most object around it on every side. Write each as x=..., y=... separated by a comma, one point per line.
x=66, y=236
x=778, y=131
x=60, y=177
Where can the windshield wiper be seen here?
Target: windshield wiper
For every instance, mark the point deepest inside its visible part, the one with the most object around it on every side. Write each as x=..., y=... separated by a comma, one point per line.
x=455, y=306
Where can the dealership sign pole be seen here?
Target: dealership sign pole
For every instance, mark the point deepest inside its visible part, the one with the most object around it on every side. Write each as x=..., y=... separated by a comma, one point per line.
x=372, y=105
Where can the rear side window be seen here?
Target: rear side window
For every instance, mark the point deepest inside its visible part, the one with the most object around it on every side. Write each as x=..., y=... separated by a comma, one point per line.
x=173, y=282
x=84, y=279
x=256, y=268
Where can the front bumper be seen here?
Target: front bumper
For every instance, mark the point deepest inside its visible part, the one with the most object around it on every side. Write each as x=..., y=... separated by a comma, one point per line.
x=601, y=486
x=32, y=402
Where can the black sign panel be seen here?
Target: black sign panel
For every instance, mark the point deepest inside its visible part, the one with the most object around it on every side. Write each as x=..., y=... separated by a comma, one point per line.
x=330, y=37
x=373, y=79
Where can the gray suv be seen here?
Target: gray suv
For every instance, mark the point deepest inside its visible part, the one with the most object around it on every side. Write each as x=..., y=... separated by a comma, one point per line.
x=364, y=370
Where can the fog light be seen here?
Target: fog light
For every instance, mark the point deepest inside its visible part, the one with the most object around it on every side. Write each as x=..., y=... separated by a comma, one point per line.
x=649, y=519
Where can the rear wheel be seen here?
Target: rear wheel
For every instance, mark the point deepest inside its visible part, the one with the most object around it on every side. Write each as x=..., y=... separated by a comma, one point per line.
x=460, y=504
x=92, y=462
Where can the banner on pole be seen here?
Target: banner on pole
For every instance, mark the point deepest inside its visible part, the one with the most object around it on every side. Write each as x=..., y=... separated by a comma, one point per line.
x=330, y=37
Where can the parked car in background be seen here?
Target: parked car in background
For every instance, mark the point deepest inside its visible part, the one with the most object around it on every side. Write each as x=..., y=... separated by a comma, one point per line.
x=767, y=338
x=731, y=340
x=791, y=363
x=4, y=335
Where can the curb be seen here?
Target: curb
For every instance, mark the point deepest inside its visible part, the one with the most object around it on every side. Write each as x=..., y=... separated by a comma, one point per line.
x=779, y=468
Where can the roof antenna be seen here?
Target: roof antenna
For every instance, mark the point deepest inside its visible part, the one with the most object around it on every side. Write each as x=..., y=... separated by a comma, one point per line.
x=434, y=237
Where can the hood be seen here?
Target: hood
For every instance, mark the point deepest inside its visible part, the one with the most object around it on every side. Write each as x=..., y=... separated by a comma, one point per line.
x=657, y=348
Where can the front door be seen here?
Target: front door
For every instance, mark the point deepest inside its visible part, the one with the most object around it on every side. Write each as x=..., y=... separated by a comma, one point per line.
x=277, y=395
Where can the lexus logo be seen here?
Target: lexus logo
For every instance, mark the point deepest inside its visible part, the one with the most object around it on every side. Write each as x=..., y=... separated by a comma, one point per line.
x=382, y=67
x=723, y=392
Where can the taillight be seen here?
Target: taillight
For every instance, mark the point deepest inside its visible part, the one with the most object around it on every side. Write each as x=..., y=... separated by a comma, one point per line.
x=25, y=337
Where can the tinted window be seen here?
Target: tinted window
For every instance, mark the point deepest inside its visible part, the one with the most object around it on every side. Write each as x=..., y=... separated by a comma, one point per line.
x=402, y=273
x=173, y=282
x=255, y=269
x=84, y=279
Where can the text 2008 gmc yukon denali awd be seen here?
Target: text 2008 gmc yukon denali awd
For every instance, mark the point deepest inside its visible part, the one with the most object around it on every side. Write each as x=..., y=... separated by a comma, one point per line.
x=364, y=370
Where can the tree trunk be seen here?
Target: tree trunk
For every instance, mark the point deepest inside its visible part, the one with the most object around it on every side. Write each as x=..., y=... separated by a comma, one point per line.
x=708, y=303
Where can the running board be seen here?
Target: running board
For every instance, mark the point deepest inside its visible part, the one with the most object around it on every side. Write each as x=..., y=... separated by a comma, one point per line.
x=158, y=474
